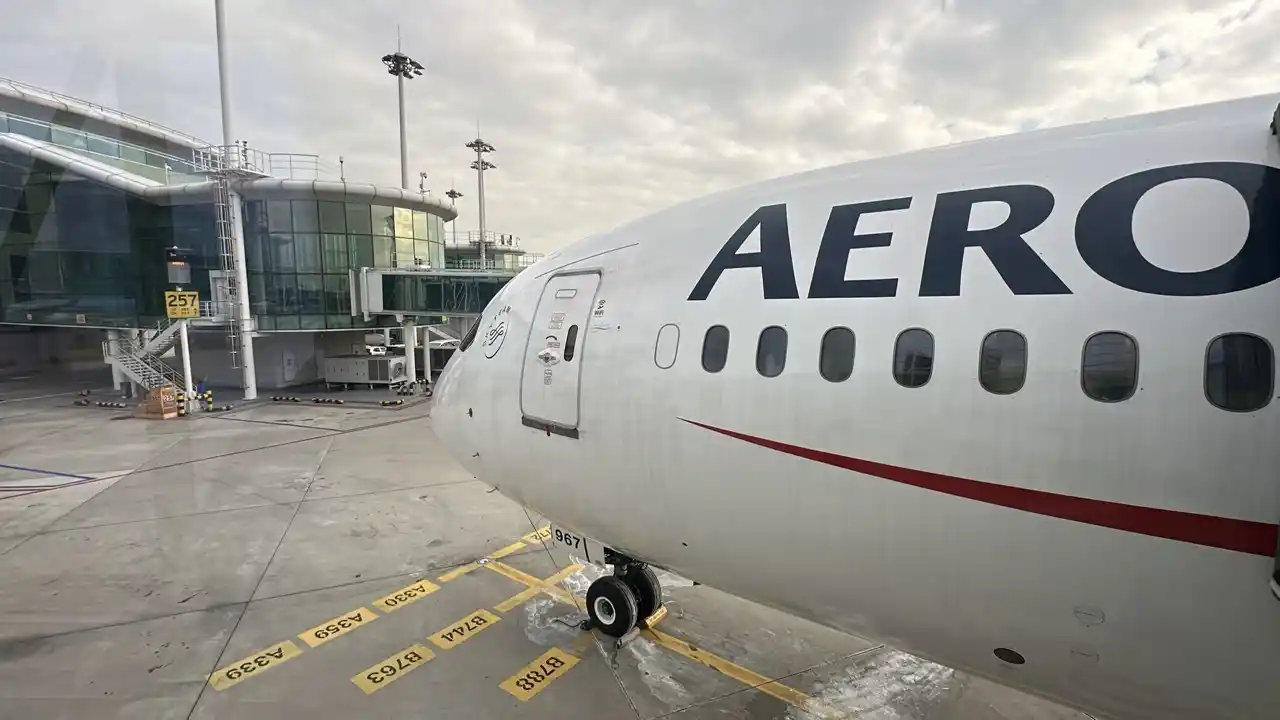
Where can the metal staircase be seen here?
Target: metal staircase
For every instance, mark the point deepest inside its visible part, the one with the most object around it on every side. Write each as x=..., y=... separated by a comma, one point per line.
x=162, y=338
x=139, y=364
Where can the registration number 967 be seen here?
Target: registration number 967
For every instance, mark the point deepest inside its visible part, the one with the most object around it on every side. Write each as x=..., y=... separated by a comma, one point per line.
x=577, y=545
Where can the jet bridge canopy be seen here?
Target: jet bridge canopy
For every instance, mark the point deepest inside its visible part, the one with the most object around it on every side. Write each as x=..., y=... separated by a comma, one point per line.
x=407, y=292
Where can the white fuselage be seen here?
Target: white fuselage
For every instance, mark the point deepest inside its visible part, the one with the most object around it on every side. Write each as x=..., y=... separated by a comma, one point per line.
x=1124, y=549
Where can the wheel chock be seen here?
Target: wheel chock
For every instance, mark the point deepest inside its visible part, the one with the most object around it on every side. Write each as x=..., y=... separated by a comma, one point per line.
x=653, y=619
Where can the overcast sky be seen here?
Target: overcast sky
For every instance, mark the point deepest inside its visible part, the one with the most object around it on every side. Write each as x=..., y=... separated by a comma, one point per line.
x=604, y=110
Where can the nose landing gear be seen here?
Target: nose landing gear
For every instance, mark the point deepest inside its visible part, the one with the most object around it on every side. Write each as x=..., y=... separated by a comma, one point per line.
x=631, y=597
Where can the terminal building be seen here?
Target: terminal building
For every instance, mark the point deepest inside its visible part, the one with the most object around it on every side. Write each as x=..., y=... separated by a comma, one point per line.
x=93, y=202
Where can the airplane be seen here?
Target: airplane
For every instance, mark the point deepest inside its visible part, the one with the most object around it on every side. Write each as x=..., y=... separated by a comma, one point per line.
x=1006, y=405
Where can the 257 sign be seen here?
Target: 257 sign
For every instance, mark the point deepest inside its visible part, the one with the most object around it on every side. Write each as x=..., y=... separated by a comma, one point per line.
x=181, y=304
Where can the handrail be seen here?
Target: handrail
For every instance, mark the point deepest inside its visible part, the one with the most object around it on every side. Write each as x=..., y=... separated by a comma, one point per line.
x=103, y=138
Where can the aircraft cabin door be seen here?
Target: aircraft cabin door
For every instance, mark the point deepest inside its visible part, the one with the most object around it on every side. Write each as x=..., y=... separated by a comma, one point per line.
x=553, y=354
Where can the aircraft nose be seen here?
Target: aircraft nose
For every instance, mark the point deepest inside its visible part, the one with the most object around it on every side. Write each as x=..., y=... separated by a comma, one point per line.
x=452, y=418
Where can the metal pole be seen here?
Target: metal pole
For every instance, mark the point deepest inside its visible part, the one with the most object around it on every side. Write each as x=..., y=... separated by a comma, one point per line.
x=410, y=333
x=480, y=182
x=243, y=319
x=404, y=144
x=186, y=358
x=113, y=348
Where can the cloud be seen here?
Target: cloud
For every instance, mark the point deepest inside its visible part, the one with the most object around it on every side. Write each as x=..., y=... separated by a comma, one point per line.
x=602, y=112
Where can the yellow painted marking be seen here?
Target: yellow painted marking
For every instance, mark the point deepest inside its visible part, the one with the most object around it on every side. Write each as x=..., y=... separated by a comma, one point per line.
x=786, y=694
x=538, y=535
x=373, y=679
x=506, y=550
x=405, y=595
x=462, y=630
x=528, y=580
x=458, y=572
x=523, y=596
x=341, y=625
x=257, y=662
x=534, y=677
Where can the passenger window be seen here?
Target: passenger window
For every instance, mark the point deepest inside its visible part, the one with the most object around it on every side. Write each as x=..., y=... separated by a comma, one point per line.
x=1002, y=363
x=913, y=358
x=715, y=348
x=570, y=343
x=1239, y=372
x=1109, y=367
x=835, y=359
x=771, y=351
x=664, y=350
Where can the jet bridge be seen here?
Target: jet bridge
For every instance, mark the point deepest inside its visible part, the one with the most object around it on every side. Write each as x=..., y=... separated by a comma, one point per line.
x=409, y=292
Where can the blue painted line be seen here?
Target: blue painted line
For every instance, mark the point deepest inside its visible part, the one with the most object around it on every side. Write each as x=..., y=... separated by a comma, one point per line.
x=46, y=472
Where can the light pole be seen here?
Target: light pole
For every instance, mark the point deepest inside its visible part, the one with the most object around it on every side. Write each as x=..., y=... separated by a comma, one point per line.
x=453, y=196
x=480, y=165
x=404, y=68
x=243, y=318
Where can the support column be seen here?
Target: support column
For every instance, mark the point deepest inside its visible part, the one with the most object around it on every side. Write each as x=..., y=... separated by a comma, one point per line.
x=113, y=347
x=186, y=359
x=426, y=357
x=410, y=344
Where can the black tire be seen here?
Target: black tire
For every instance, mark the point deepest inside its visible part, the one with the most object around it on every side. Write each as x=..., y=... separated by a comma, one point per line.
x=643, y=581
x=612, y=606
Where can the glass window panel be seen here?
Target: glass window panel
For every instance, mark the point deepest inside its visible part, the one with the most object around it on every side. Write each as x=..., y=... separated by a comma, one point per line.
x=282, y=294
x=835, y=359
x=67, y=138
x=280, y=253
x=361, y=248
x=336, y=258
x=338, y=321
x=305, y=218
x=435, y=253
x=337, y=294
x=266, y=322
x=403, y=222
x=132, y=154
x=422, y=251
x=1109, y=367
x=255, y=252
x=279, y=216
x=358, y=219
x=771, y=351
x=383, y=220
x=306, y=248
x=1239, y=372
x=913, y=358
x=32, y=130
x=311, y=322
x=715, y=348
x=1002, y=362
x=333, y=217
x=404, y=252
x=287, y=322
x=419, y=225
x=383, y=252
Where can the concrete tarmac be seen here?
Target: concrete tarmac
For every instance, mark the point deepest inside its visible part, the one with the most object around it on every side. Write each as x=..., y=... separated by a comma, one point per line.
x=319, y=561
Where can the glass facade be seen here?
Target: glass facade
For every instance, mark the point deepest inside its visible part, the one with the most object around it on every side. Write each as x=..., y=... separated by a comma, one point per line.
x=75, y=252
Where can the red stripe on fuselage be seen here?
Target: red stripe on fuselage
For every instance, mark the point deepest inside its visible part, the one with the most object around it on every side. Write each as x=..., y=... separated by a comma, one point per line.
x=1244, y=536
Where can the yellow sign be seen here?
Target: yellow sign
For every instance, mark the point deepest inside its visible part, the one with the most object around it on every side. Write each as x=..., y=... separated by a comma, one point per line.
x=373, y=679
x=244, y=669
x=182, y=304
x=406, y=595
x=534, y=677
x=341, y=625
x=463, y=629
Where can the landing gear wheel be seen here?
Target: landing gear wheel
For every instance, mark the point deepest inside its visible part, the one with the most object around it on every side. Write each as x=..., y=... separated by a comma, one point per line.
x=612, y=606
x=644, y=583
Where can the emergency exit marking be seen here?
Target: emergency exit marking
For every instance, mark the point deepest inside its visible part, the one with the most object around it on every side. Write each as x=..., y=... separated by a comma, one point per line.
x=534, y=677
x=405, y=595
x=373, y=679
x=464, y=629
x=341, y=625
x=184, y=304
